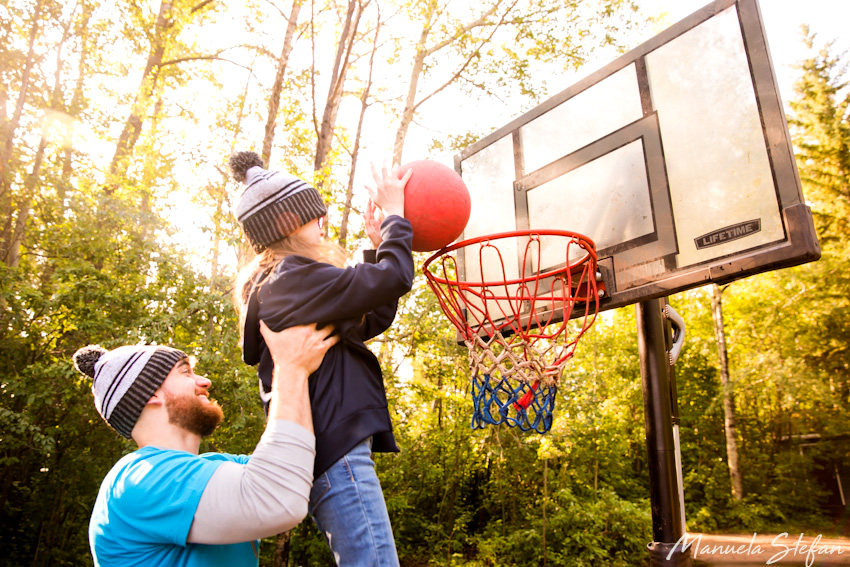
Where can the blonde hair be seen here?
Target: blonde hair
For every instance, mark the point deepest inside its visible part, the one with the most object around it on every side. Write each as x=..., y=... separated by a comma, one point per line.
x=323, y=251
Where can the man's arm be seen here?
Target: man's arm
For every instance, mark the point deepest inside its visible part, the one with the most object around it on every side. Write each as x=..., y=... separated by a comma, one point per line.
x=269, y=495
x=296, y=355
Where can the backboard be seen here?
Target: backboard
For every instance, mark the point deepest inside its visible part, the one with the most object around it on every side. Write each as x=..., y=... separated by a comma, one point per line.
x=675, y=159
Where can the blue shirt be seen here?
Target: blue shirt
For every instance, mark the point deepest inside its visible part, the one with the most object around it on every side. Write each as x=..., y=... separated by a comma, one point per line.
x=146, y=505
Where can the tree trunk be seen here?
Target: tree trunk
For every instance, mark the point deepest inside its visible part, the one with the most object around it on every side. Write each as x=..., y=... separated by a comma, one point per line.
x=8, y=138
x=422, y=53
x=12, y=246
x=13, y=250
x=76, y=103
x=281, y=549
x=410, y=100
x=133, y=125
x=341, y=64
x=12, y=125
x=274, y=99
x=364, y=105
x=728, y=397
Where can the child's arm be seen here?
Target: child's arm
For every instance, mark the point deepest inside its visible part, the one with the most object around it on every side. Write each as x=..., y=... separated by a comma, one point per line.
x=303, y=290
x=377, y=321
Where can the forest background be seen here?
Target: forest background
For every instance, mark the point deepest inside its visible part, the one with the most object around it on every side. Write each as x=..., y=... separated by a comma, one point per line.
x=116, y=120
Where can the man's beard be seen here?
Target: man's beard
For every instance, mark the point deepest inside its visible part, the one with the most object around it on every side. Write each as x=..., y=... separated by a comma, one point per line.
x=193, y=414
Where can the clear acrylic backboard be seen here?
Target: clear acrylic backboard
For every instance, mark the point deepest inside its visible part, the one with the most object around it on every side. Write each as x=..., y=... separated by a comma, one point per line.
x=674, y=159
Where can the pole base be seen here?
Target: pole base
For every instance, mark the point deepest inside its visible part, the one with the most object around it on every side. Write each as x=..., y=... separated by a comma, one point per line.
x=668, y=555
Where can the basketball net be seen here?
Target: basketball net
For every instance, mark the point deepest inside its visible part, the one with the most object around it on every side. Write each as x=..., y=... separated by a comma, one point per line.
x=522, y=324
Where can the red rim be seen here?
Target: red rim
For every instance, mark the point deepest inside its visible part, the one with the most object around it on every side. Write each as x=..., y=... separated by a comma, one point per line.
x=586, y=243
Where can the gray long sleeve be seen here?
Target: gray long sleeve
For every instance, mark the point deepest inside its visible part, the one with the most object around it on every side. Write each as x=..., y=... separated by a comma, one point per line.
x=264, y=497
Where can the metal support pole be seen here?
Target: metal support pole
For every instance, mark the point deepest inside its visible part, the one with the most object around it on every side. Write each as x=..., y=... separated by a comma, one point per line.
x=674, y=335
x=663, y=482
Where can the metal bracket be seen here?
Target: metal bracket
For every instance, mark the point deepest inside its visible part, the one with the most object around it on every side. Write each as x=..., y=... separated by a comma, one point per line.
x=678, y=333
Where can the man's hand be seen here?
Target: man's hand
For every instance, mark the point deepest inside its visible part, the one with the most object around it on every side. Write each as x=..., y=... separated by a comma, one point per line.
x=301, y=347
x=297, y=352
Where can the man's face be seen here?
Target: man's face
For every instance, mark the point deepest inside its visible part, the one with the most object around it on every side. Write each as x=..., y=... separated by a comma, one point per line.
x=187, y=400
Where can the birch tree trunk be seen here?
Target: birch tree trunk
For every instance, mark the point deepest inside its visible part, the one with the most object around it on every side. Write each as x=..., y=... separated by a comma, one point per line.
x=728, y=397
x=411, y=104
x=133, y=125
x=341, y=65
x=76, y=101
x=355, y=152
x=7, y=212
x=169, y=22
x=412, y=87
x=11, y=126
x=15, y=238
x=274, y=99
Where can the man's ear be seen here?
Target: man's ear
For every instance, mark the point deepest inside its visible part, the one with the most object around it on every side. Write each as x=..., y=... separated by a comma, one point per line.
x=157, y=399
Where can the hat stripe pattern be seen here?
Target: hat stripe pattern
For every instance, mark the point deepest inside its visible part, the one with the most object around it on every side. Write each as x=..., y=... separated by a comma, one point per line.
x=119, y=383
x=126, y=378
x=129, y=408
x=264, y=182
x=274, y=204
x=281, y=218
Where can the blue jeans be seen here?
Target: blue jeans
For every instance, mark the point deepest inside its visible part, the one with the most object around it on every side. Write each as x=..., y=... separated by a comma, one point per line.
x=348, y=507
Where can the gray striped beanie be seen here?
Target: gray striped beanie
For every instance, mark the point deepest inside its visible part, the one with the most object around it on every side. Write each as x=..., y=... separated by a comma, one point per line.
x=124, y=379
x=272, y=204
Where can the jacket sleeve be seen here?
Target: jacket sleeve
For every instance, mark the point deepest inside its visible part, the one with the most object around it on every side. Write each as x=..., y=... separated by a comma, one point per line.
x=301, y=291
x=378, y=320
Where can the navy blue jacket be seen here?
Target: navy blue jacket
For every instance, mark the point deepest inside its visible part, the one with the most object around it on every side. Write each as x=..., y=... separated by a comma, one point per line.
x=347, y=391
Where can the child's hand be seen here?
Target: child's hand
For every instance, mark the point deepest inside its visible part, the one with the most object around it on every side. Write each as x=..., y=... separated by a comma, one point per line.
x=373, y=223
x=389, y=191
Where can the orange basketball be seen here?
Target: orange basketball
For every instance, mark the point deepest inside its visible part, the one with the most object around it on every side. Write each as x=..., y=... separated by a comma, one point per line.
x=437, y=204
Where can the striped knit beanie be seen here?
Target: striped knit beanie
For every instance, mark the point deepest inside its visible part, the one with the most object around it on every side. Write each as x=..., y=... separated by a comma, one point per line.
x=272, y=204
x=124, y=379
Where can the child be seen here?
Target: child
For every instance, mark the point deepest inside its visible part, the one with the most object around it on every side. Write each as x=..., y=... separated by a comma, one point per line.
x=298, y=277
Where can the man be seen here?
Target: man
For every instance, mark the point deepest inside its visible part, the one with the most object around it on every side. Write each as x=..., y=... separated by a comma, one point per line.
x=166, y=505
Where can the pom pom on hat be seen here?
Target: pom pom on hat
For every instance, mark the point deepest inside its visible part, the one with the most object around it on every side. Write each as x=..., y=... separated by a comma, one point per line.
x=86, y=357
x=241, y=162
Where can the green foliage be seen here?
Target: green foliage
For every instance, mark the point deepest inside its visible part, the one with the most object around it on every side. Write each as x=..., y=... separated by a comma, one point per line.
x=95, y=277
x=105, y=265
x=603, y=530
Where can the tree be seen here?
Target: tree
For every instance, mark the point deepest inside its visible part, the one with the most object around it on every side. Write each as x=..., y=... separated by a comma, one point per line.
x=820, y=124
x=14, y=238
x=342, y=63
x=274, y=97
x=365, y=102
x=729, y=420
x=493, y=47
x=169, y=22
x=14, y=208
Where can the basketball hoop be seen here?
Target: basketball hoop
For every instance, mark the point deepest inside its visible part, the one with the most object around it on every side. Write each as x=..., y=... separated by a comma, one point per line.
x=521, y=325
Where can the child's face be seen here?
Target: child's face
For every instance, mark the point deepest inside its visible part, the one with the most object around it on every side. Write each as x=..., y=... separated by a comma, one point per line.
x=313, y=231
